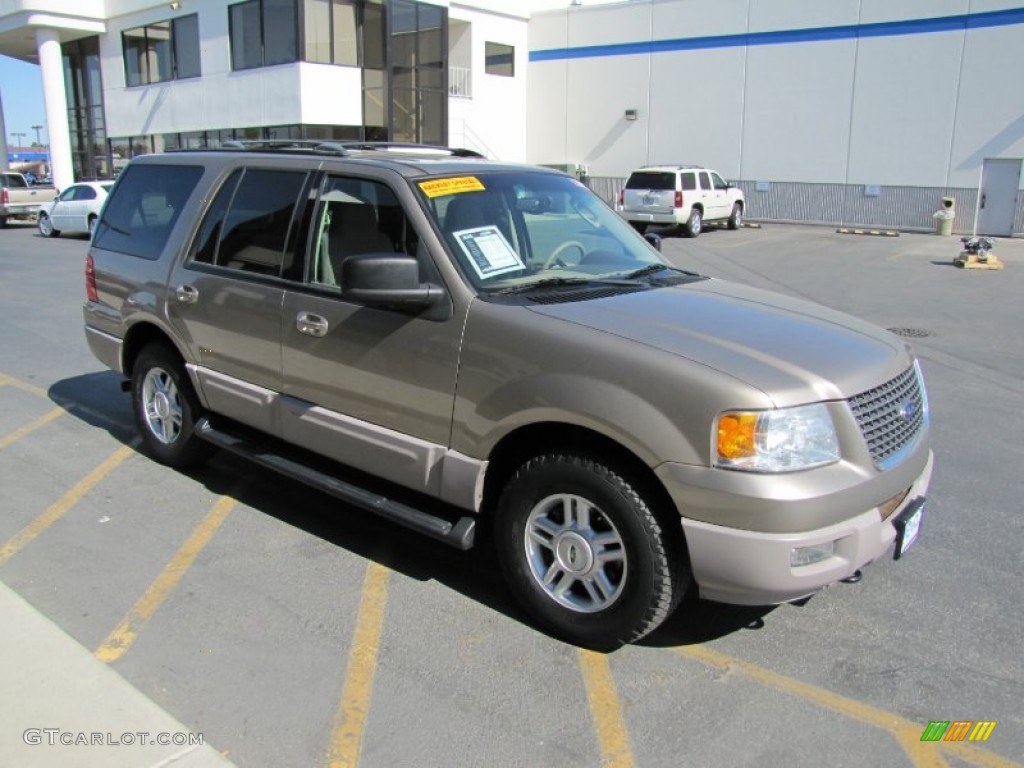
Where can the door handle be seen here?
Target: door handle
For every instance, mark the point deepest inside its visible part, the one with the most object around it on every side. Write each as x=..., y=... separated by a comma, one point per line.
x=186, y=294
x=311, y=325
x=982, y=199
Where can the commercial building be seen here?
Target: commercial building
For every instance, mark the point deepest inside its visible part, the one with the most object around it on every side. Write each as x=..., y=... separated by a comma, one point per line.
x=124, y=77
x=853, y=112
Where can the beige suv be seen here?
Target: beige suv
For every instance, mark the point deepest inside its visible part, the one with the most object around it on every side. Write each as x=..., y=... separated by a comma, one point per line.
x=681, y=196
x=438, y=338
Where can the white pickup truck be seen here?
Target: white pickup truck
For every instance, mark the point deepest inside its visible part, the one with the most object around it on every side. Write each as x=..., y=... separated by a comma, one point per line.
x=21, y=200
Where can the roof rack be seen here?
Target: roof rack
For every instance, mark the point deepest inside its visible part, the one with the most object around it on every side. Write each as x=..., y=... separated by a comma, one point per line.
x=341, y=148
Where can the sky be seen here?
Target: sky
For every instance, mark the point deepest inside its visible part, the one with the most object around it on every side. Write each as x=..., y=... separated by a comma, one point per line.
x=21, y=89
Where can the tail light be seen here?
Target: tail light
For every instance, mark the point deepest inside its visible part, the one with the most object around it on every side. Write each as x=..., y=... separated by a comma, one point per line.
x=622, y=197
x=679, y=199
x=90, y=280
x=5, y=199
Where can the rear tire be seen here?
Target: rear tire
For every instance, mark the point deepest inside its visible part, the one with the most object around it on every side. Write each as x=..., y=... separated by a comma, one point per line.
x=584, y=552
x=639, y=226
x=91, y=224
x=166, y=408
x=694, y=224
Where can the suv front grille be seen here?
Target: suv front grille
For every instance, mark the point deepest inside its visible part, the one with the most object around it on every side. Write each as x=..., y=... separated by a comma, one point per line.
x=891, y=416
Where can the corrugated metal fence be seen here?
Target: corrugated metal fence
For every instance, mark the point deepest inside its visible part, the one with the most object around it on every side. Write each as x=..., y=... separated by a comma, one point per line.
x=846, y=205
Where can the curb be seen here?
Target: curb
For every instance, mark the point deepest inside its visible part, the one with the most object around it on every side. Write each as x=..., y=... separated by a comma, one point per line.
x=875, y=232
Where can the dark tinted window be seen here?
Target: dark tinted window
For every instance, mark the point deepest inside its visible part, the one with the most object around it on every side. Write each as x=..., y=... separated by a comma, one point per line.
x=85, y=193
x=144, y=207
x=705, y=180
x=246, y=42
x=186, y=46
x=11, y=182
x=280, y=32
x=256, y=227
x=651, y=180
x=204, y=249
x=689, y=180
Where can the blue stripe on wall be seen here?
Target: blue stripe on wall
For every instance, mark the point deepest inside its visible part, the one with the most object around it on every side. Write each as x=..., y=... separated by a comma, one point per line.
x=813, y=35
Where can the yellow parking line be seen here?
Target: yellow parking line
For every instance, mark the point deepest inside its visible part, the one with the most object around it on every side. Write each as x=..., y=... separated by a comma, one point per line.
x=121, y=638
x=907, y=732
x=62, y=505
x=362, y=665
x=31, y=427
x=23, y=386
x=612, y=736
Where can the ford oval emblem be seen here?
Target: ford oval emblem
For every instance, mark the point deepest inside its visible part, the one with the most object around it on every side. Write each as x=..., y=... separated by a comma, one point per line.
x=908, y=410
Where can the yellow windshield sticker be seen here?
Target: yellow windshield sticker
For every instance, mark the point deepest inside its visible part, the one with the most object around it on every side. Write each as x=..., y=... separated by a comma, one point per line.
x=439, y=187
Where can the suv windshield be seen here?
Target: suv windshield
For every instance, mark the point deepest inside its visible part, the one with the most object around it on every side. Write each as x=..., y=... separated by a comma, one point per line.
x=514, y=230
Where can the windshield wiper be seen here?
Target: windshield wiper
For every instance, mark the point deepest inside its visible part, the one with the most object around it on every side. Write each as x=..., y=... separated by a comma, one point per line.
x=651, y=269
x=546, y=283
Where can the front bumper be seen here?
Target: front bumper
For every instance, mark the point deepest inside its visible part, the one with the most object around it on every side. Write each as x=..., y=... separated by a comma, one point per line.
x=748, y=567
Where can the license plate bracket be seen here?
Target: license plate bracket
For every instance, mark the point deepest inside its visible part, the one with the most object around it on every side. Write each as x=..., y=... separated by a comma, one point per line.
x=908, y=526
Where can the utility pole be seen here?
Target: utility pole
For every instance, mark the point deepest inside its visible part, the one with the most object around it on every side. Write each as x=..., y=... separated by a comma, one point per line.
x=37, y=129
x=15, y=135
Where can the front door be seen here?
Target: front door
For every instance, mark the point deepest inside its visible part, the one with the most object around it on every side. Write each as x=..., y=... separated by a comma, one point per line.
x=997, y=201
x=373, y=388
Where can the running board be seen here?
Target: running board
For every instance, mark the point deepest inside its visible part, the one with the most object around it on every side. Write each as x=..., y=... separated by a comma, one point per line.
x=458, y=534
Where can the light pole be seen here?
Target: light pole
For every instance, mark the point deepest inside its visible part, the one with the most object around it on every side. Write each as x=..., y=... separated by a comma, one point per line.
x=37, y=129
x=16, y=134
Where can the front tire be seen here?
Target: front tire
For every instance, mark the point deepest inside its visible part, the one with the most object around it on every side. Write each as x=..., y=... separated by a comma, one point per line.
x=585, y=553
x=694, y=224
x=46, y=226
x=166, y=408
x=736, y=217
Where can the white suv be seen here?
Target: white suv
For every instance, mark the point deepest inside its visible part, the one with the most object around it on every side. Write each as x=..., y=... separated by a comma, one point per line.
x=682, y=195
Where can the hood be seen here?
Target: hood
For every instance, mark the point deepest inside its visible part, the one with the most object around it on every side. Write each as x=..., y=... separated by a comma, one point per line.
x=792, y=350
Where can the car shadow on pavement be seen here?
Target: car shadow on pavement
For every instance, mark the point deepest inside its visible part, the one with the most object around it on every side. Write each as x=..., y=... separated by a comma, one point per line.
x=97, y=399
x=698, y=621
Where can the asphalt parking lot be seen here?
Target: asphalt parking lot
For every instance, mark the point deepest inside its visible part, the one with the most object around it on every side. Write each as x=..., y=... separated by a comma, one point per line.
x=289, y=630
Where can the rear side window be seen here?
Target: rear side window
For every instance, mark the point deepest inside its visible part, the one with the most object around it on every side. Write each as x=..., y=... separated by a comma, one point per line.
x=146, y=202
x=248, y=223
x=689, y=180
x=705, y=180
x=651, y=180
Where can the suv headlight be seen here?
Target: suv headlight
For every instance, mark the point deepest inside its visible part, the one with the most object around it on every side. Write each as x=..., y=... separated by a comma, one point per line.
x=783, y=440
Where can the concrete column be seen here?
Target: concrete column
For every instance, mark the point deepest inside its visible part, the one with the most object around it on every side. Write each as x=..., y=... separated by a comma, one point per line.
x=55, y=98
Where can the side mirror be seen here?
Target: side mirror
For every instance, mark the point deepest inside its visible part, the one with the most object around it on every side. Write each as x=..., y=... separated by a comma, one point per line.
x=386, y=280
x=654, y=240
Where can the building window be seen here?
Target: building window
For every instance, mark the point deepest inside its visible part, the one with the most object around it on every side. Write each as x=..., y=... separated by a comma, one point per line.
x=263, y=33
x=166, y=50
x=499, y=59
x=330, y=32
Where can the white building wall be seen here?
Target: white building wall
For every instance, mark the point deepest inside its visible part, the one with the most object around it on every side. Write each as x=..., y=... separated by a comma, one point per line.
x=909, y=110
x=492, y=120
x=289, y=93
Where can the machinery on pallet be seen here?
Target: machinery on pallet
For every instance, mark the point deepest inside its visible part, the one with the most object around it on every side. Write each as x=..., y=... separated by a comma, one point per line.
x=977, y=254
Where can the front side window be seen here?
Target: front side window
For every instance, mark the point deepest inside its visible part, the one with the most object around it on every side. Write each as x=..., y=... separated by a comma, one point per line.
x=499, y=59
x=718, y=181
x=517, y=231
x=165, y=50
x=263, y=33
x=357, y=216
x=143, y=208
x=248, y=224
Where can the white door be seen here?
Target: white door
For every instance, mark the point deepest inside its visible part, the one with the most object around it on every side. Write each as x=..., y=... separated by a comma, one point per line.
x=997, y=201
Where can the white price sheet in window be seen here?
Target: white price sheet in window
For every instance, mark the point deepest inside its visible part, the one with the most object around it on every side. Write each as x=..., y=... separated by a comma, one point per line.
x=489, y=252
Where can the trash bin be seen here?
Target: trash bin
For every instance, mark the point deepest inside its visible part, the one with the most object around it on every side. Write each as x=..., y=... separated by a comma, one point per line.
x=944, y=217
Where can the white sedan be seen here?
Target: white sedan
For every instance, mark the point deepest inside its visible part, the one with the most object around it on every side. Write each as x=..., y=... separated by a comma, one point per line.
x=76, y=209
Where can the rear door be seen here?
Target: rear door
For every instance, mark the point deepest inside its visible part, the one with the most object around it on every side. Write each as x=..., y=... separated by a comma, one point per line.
x=225, y=299
x=650, y=192
x=371, y=387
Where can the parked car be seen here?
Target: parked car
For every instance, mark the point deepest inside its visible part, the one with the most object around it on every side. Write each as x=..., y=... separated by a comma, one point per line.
x=19, y=199
x=683, y=196
x=76, y=209
x=435, y=338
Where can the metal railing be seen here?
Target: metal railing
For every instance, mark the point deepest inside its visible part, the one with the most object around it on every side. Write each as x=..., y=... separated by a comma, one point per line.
x=460, y=82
